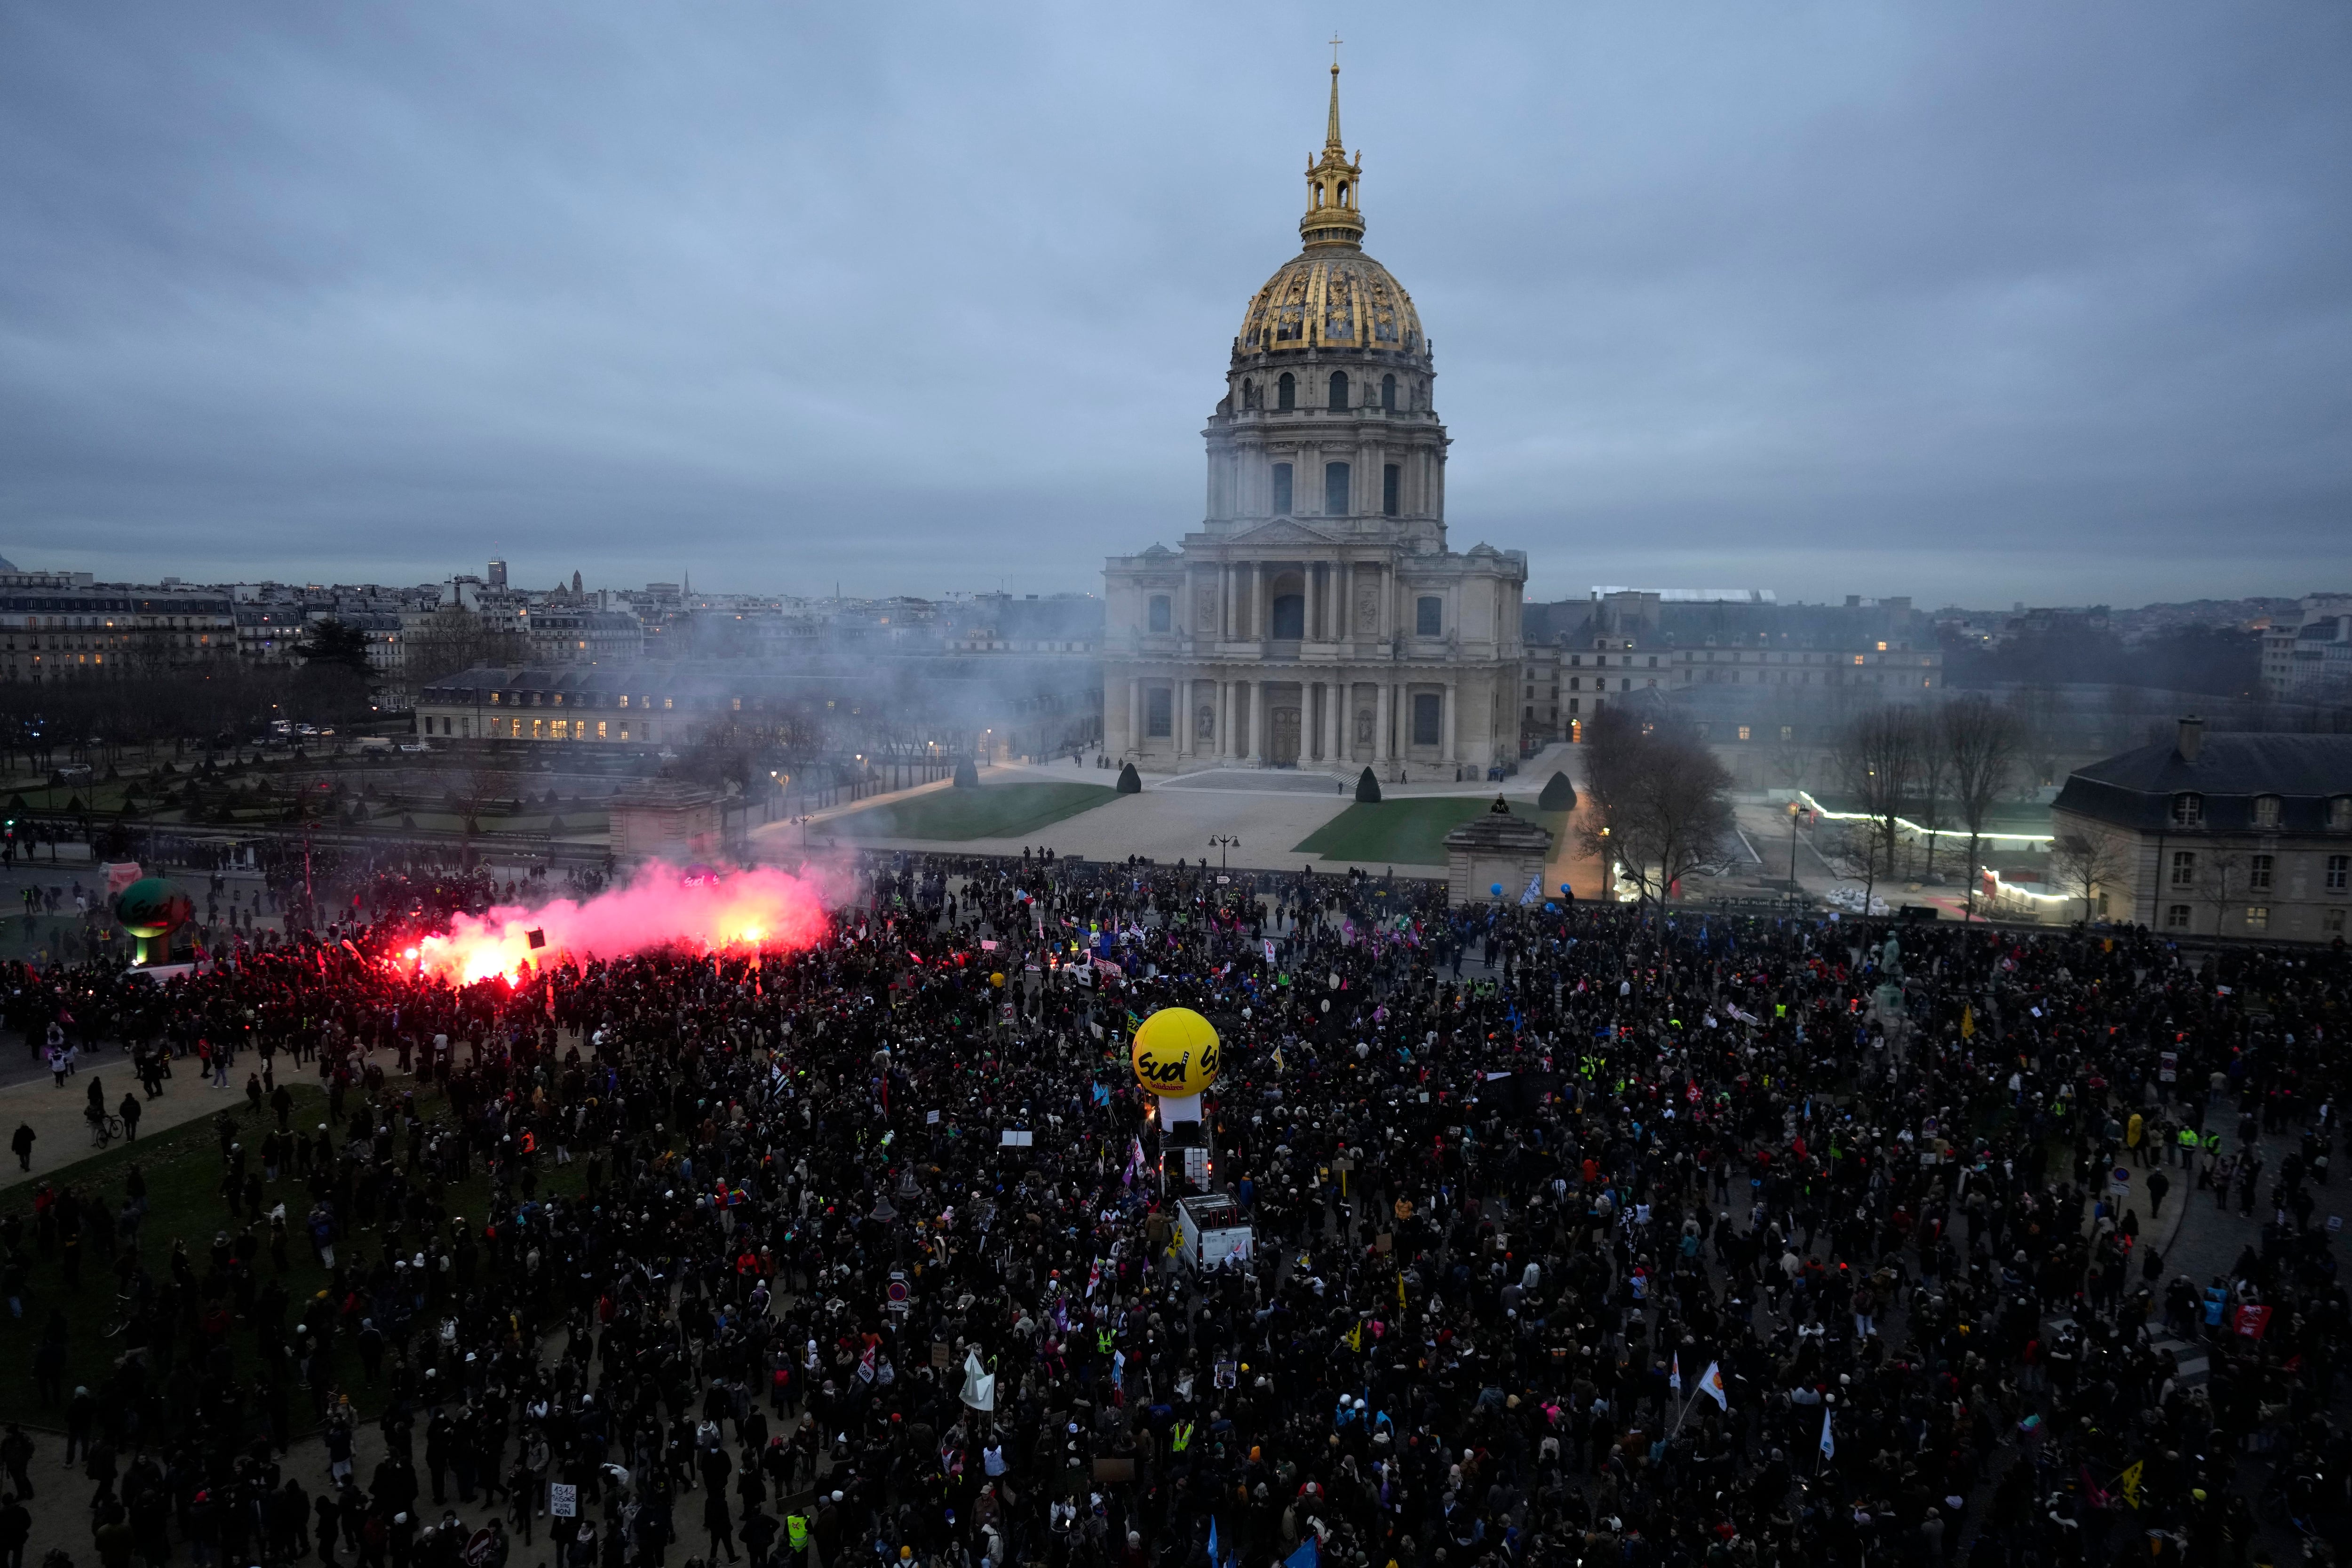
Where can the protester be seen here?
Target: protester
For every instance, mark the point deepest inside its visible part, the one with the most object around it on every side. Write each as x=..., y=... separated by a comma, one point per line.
x=1581, y=1235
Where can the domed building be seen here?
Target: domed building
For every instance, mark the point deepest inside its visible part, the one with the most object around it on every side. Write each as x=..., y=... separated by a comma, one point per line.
x=1317, y=619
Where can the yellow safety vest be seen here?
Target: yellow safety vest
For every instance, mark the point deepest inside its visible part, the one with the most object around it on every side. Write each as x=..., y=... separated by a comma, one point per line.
x=1180, y=1438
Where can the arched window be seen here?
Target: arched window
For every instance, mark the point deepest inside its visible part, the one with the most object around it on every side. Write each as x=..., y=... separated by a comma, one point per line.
x=1335, y=489
x=1338, y=389
x=1387, y=393
x=1286, y=391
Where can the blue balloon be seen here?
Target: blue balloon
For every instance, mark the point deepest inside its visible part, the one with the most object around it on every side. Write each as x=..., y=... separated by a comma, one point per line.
x=1495, y=889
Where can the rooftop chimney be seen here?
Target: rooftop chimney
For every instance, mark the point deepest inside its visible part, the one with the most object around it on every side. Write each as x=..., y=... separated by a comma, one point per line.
x=2192, y=738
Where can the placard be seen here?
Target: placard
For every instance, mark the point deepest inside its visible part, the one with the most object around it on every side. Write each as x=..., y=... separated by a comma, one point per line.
x=563, y=1501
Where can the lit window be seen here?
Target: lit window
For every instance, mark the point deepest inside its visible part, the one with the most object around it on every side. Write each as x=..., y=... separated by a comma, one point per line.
x=1743, y=732
x=2258, y=917
x=1857, y=658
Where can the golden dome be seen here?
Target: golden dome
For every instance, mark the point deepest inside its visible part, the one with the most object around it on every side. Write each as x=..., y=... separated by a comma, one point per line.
x=1331, y=297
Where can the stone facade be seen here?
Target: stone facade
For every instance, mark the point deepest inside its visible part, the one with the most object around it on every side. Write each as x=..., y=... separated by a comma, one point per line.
x=1317, y=618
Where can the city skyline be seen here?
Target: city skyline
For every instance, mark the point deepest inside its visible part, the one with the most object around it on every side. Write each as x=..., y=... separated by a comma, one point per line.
x=2030, y=306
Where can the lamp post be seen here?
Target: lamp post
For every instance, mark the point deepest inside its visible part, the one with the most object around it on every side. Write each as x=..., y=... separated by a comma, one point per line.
x=1795, y=811
x=1222, y=842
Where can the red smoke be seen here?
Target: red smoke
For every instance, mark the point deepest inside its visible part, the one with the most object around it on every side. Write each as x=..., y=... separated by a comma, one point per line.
x=765, y=910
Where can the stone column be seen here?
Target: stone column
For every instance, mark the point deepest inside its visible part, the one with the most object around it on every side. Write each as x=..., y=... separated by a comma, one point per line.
x=1380, y=725
x=1257, y=690
x=1134, y=714
x=1224, y=602
x=1222, y=746
x=1314, y=601
x=1342, y=697
x=1452, y=708
x=1180, y=713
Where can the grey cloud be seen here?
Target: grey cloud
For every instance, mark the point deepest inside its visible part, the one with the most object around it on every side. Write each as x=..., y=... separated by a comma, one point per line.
x=2013, y=301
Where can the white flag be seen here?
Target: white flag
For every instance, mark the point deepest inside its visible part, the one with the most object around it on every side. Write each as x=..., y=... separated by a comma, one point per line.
x=1828, y=1438
x=1710, y=1383
x=979, y=1383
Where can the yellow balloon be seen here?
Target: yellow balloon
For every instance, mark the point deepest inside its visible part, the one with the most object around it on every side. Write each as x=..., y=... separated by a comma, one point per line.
x=1176, y=1053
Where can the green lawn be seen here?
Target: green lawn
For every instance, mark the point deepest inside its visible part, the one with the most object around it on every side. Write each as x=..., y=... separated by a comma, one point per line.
x=183, y=1169
x=991, y=811
x=1408, y=831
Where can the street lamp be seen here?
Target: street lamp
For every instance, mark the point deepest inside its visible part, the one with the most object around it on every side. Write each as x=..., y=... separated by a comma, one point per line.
x=1795, y=812
x=1221, y=842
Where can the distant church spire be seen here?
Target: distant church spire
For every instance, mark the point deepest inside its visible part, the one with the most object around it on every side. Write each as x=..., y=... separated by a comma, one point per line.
x=1332, y=218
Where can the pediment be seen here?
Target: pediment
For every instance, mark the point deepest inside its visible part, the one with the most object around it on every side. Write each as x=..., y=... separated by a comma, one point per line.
x=1283, y=531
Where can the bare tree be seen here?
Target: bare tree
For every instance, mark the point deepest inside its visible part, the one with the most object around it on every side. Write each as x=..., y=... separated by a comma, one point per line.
x=2086, y=861
x=2221, y=882
x=1660, y=802
x=1933, y=787
x=455, y=638
x=1980, y=740
x=1877, y=762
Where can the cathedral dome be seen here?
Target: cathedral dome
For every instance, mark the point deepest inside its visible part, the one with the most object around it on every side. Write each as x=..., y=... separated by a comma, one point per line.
x=1331, y=297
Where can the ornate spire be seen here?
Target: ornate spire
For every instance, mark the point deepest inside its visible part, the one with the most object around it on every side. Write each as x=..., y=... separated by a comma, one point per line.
x=1332, y=218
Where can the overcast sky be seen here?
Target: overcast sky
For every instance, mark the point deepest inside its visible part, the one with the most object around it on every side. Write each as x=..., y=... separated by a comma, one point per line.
x=1979, y=302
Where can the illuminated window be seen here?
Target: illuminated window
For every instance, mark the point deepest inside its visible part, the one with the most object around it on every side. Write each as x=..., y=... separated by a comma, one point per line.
x=624, y=700
x=538, y=729
x=668, y=703
x=1743, y=732
x=2258, y=917
x=1857, y=658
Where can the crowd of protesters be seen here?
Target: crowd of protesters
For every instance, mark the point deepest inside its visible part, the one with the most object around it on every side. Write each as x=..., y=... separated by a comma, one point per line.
x=1581, y=1235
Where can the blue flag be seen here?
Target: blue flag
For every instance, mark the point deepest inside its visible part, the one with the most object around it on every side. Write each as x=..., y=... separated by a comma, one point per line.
x=1305, y=1557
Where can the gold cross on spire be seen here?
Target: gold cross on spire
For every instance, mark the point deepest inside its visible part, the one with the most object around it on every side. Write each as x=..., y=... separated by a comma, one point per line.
x=1335, y=51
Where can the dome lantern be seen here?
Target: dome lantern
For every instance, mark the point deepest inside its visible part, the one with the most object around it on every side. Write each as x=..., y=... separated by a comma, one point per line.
x=1332, y=215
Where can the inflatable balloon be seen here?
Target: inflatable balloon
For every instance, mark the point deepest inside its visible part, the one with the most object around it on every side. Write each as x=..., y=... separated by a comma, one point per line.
x=151, y=910
x=1176, y=1053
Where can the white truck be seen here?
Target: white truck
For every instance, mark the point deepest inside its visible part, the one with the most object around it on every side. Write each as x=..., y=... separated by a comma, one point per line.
x=1209, y=1228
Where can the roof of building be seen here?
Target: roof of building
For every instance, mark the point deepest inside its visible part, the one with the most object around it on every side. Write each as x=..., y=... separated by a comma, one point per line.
x=2136, y=789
